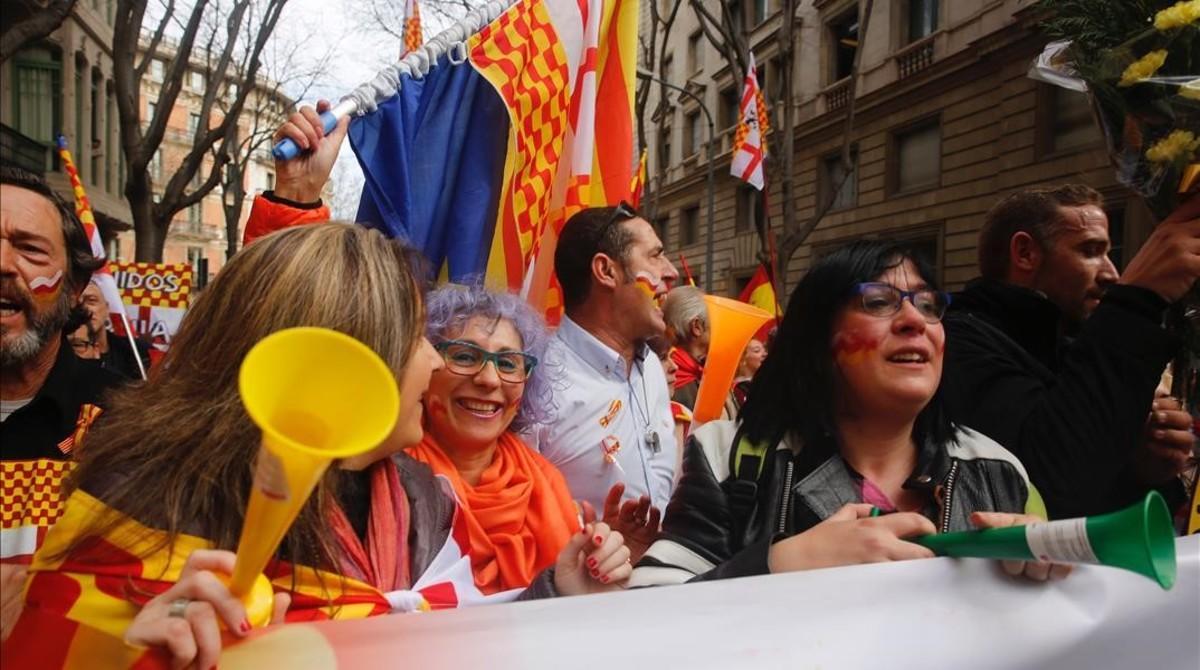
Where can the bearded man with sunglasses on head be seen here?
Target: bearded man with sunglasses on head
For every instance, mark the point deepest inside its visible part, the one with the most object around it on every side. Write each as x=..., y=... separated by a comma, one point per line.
x=1057, y=357
x=612, y=426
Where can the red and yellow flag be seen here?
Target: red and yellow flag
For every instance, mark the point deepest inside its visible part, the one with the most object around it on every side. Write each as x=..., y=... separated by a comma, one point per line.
x=412, y=26
x=565, y=70
x=760, y=292
x=79, y=601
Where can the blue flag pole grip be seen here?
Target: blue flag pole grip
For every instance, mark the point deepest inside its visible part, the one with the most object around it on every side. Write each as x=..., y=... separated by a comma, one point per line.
x=287, y=149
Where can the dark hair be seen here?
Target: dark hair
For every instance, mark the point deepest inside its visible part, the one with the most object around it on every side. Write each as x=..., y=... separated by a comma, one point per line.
x=1036, y=212
x=80, y=261
x=584, y=235
x=793, y=390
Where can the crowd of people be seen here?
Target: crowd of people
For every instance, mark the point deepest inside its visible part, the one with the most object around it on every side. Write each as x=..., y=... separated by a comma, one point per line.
x=565, y=463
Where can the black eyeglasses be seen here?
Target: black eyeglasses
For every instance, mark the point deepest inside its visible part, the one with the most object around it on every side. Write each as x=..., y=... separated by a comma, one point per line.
x=622, y=212
x=467, y=359
x=884, y=300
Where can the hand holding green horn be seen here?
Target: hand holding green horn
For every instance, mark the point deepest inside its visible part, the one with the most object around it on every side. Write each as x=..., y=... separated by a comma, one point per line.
x=1139, y=538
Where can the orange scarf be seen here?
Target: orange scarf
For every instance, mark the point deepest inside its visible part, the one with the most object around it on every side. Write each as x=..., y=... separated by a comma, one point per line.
x=519, y=515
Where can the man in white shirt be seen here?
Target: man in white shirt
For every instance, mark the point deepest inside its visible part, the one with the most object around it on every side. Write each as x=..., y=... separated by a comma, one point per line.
x=613, y=419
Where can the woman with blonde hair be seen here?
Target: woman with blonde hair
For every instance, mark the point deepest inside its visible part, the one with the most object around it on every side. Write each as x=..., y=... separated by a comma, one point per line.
x=157, y=503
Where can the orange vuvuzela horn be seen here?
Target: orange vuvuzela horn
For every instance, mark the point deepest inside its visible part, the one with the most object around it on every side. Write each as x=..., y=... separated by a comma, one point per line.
x=731, y=324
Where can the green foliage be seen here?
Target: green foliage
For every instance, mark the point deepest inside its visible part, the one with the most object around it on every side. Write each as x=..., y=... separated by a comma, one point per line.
x=1095, y=25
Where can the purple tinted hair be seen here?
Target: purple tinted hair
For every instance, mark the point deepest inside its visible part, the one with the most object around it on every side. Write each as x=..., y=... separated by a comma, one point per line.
x=448, y=308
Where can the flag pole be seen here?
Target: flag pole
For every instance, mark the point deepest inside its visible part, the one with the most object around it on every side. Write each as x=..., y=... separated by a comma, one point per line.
x=133, y=345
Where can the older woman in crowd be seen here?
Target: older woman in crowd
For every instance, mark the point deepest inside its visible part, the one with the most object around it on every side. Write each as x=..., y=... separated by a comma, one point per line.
x=158, y=501
x=843, y=417
x=517, y=505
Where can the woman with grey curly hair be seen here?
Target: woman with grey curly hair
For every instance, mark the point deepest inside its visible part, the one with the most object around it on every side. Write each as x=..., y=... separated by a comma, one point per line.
x=517, y=506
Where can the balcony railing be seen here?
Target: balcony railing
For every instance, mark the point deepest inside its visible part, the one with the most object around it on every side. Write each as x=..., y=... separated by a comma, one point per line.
x=23, y=151
x=837, y=96
x=915, y=57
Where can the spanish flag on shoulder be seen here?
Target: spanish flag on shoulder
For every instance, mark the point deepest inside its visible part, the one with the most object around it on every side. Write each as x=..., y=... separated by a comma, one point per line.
x=81, y=596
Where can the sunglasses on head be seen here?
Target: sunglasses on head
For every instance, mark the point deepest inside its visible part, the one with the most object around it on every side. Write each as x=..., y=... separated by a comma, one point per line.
x=622, y=212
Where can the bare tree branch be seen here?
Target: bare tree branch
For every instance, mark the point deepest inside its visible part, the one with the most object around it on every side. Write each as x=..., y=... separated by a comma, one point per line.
x=27, y=21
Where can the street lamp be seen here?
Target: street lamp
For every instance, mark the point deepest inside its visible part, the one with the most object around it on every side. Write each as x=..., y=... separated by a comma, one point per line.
x=712, y=138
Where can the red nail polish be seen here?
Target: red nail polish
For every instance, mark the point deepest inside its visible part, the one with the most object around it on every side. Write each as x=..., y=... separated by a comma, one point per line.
x=604, y=579
x=591, y=562
x=244, y=626
x=598, y=540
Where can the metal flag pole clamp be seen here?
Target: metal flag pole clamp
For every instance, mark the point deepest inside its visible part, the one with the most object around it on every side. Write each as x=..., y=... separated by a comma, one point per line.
x=385, y=84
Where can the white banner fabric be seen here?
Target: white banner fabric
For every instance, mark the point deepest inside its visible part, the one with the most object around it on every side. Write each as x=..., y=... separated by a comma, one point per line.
x=938, y=613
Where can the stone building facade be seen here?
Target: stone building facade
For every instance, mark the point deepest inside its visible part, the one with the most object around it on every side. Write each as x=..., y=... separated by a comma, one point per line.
x=947, y=122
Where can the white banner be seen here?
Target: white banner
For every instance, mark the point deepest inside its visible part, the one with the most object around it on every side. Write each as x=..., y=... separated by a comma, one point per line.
x=938, y=613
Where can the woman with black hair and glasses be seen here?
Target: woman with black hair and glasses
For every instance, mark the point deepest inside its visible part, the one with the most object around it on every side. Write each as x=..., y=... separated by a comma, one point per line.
x=524, y=527
x=842, y=449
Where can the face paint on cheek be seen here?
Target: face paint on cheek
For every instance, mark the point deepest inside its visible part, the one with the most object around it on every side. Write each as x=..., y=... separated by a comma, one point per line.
x=648, y=283
x=853, y=348
x=45, y=289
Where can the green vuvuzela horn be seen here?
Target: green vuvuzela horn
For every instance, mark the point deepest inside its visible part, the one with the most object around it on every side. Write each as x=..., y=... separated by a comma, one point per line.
x=1138, y=538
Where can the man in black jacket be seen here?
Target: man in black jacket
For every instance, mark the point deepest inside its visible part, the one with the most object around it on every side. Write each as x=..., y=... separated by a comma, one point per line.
x=1056, y=357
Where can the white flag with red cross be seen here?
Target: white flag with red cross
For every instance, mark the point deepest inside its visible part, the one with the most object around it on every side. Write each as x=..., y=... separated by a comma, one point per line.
x=749, y=148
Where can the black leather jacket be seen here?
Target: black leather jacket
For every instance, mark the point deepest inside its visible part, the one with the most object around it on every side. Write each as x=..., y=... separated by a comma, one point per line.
x=721, y=523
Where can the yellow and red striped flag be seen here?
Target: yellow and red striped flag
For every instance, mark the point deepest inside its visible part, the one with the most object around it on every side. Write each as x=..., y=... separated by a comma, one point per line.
x=760, y=292
x=555, y=64
x=83, y=209
x=638, y=185
x=412, y=27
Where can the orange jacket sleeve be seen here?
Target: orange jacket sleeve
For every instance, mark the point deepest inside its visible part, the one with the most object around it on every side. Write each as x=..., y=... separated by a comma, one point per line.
x=271, y=213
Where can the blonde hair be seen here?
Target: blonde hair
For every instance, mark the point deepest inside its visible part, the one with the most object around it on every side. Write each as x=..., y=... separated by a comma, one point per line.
x=177, y=453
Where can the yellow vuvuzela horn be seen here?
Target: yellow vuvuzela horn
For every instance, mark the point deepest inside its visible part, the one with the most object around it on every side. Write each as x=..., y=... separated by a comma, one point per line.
x=317, y=395
x=1138, y=538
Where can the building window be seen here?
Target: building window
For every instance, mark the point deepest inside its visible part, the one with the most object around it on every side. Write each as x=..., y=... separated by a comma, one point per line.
x=925, y=246
x=843, y=42
x=922, y=19
x=728, y=113
x=156, y=70
x=695, y=52
x=693, y=134
x=195, y=256
x=660, y=228
x=761, y=10
x=81, y=68
x=232, y=92
x=37, y=97
x=196, y=81
x=689, y=226
x=1064, y=121
x=664, y=147
x=195, y=214
x=1116, y=235
x=832, y=173
x=750, y=212
x=193, y=124
x=915, y=157
x=110, y=104
x=96, y=151
x=774, y=89
x=156, y=165
x=151, y=108
x=270, y=180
